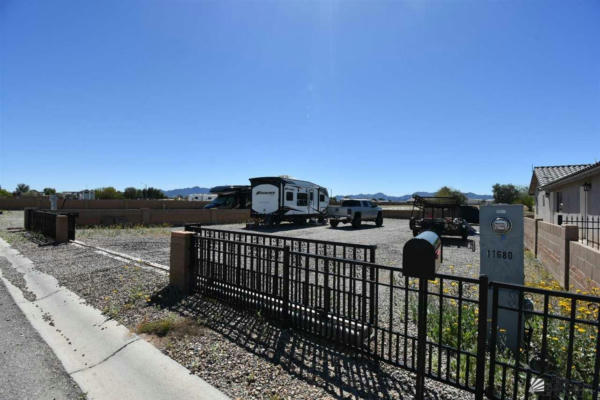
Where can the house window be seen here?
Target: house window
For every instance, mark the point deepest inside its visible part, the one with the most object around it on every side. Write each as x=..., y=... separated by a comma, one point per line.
x=559, y=199
x=289, y=196
x=302, y=199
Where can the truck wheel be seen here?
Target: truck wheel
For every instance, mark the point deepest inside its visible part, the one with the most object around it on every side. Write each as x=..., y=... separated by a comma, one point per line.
x=356, y=221
x=379, y=220
x=334, y=223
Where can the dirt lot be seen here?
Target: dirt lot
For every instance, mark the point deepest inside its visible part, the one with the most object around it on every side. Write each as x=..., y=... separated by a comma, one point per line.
x=152, y=244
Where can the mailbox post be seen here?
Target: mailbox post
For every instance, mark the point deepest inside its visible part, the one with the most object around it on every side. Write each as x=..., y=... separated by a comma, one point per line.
x=501, y=259
x=421, y=258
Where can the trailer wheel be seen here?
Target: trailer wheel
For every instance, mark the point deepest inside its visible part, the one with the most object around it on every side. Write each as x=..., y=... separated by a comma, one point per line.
x=356, y=221
x=379, y=219
x=334, y=223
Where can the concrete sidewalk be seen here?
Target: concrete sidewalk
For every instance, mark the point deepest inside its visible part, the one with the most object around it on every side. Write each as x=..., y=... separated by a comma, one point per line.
x=105, y=359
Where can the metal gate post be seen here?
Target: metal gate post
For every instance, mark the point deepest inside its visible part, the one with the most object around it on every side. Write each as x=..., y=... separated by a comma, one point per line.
x=286, y=284
x=421, y=339
x=373, y=288
x=481, y=336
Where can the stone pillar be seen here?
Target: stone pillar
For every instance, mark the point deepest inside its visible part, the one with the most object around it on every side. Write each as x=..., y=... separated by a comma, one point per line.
x=146, y=213
x=62, y=229
x=181, y=269
x=571, y=233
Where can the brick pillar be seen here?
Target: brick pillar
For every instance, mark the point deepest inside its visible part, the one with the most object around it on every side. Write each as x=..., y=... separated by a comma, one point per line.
x=181, y=266
x=62, y=229
x=571, y=233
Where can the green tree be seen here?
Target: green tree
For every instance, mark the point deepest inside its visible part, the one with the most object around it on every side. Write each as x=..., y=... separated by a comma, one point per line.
x=48, y=191
x=525, y=198
x=153, y=193
x=446, y=191
x=31, y=193
x=132, y=193
x=108, y=193
x=506, y=193
x=21, y=189
x=4, y=193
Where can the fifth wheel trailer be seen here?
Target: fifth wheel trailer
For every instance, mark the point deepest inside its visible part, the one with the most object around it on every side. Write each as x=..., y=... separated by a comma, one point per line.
x=281, y=198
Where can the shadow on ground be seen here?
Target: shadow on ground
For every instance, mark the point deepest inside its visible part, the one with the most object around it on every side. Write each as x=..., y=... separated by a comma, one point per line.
x=342, y=374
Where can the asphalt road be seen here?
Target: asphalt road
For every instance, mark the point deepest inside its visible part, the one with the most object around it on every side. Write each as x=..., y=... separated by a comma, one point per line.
x=29, y=369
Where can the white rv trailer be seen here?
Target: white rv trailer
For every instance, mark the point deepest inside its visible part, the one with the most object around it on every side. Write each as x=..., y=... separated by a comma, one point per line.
x=276, y=199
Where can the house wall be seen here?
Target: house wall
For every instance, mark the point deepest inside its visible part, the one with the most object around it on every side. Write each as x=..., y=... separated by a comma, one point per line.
x=576, y=202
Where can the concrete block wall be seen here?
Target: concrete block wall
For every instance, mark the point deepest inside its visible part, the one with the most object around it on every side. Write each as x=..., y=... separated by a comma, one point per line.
x=146, y=216
x=531, y=234
x=584, y=266
x=553, y=249
x=63, y=204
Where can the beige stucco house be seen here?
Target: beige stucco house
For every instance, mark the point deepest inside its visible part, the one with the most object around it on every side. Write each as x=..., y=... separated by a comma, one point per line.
x=566, y=190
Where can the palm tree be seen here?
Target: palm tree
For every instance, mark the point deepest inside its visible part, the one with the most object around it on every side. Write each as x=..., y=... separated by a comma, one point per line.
x=21, y=189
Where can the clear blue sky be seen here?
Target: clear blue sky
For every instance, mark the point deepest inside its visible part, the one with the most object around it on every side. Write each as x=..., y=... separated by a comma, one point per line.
x=359, y=96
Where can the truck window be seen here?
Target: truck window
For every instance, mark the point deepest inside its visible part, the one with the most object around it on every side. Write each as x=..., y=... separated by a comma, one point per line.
x=289, y=196
x=302, y=199
x=350, y=203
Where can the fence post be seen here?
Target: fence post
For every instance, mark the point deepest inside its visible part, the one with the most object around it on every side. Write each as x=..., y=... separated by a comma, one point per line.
x=421, y=339
x=373, y=287
x=180, y=271
x=286, y=284
x=61, y=234
x=481, y=336
x=493, y=334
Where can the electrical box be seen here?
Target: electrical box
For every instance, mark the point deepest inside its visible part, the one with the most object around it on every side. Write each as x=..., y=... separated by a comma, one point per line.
x=502, y=260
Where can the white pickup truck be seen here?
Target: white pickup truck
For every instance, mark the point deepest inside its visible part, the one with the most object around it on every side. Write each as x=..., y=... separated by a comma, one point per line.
x=355, y=211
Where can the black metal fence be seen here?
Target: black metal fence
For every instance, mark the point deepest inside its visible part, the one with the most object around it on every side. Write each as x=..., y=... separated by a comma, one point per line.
x=348, y=251
x=375, y=310
x=589, y=229
x=44, y=222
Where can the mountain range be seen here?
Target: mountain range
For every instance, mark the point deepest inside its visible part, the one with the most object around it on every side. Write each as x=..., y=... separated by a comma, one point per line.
x=406, y=197
x=185, y=191
x=197, y=189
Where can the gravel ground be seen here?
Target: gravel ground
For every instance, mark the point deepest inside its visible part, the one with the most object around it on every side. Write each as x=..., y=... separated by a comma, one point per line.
x=390, y=240
x=149, y=243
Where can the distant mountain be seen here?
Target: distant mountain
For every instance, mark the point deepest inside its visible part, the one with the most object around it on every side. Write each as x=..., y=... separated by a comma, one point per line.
x=185, y=191
x=406, y=197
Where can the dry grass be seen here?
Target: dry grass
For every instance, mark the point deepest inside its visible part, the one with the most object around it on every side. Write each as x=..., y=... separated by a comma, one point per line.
x=172, y=326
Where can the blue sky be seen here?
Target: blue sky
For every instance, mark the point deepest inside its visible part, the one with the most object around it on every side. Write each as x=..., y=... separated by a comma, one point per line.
x=359, y=96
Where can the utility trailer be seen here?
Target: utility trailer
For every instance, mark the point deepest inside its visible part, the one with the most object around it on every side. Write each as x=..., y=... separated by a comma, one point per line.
x=281, y=198
x=441, y=215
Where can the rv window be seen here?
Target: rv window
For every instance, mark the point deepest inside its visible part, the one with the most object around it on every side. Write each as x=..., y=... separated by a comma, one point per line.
x=289, y=196
x=321, y=198
x=312, y=196
x=302, y=199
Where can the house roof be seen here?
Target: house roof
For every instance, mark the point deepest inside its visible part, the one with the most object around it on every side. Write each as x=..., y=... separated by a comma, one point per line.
x=549, y=175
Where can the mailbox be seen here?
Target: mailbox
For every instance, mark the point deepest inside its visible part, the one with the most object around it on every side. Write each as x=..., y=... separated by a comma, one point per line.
x=422, y=255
